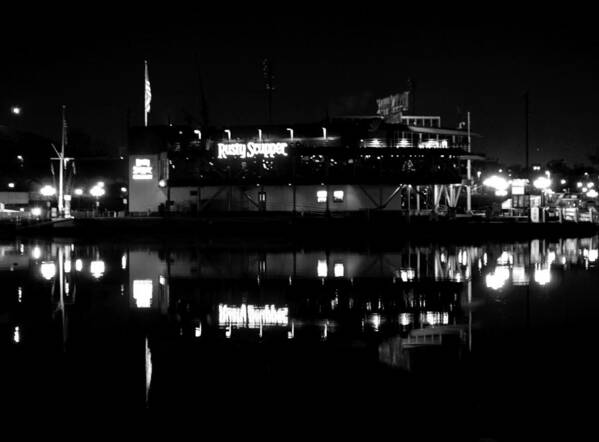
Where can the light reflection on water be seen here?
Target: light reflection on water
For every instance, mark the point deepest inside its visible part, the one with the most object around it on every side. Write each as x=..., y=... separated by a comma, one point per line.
x=401, y=304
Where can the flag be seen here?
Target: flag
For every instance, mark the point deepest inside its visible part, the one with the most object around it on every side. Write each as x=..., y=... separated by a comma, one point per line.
x=148, y=94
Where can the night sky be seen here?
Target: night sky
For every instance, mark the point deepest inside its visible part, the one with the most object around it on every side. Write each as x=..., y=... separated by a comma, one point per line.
x=340, y=60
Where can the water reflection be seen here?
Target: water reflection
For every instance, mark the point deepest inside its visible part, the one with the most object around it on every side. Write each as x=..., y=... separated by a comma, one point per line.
x=401, y=303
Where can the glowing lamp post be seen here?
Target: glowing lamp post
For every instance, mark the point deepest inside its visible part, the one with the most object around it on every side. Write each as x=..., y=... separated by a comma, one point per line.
x=498, y=183
x=48, y=191
x=542, y=183
x=97, y=192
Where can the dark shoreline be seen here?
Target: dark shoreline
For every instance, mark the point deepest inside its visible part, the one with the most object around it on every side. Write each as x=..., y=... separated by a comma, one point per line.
x=375, y=230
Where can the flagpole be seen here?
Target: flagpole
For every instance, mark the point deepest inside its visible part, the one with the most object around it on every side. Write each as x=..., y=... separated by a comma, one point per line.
x=146, y=80
x=61, y=164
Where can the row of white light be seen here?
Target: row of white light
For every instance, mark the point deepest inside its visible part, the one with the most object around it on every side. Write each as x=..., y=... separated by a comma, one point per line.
x=322, y=269
x=290, y=130
x=48, y=268
x=96, y=191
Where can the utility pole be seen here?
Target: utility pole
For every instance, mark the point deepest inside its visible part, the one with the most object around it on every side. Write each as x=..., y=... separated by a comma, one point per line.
x=469, y=171
x=526, y=130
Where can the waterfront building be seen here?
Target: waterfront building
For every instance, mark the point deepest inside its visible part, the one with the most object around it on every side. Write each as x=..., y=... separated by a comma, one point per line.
x=344, y=164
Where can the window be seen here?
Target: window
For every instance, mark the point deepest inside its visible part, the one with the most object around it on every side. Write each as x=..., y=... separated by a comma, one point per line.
x=321, y=196
x=338, y=196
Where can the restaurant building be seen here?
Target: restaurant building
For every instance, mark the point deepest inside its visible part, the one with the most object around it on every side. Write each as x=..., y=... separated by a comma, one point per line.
x=376, y=162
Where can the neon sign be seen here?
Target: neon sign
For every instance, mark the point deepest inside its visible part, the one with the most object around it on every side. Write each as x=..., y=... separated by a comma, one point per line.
x=142, y=169
x=433, y=144
x=250, y=150
x=252, y=316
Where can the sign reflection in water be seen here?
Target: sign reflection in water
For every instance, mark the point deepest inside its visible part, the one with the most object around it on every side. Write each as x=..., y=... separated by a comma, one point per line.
x=413, y=298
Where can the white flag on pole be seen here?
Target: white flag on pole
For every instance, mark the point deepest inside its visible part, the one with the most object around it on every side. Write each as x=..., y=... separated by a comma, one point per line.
x=148, y=94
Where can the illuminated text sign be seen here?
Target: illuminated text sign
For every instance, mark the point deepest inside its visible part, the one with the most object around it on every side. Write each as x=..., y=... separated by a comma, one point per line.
x=250, y=150
x=142, y=169
x=433, y=144
x=252, y=316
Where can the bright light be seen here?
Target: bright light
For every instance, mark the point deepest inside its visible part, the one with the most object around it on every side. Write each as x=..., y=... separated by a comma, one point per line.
x=542, y=183
x=290, y=132
x=124, y=261
x=252, y=316
x=11, y=185
x=16, y=110
x=563, y=181
x=498, y=278
x=16, y=337
x=142, y=170
x=590, y=185
x=36, y=253
x=36, y=211
x=162, y=183
x=100, y=184
x=78, y=192
x=97, y=268
x=67, y=266
x=48, y=269
x=405, y=319
x=339, y=270
x=48, y=190
x=592, y=193
x=338, y=196
x=198, y=133
x=501, y=193
x=543, y=276
x=123, y=189
x=407, y=275
x=321, y=196
x=142, y=292
x=322, y=269
x=434, y=318
x=496, y=182
x=20, y=157
x=324, y=133
x=78, y=265
x=375, y=321
x=97, y=191
x=579, y=184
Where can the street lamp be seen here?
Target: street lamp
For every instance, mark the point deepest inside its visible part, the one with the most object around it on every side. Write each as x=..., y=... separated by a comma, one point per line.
x=542, y=183
x=290, y=133
x=48, y=190
x=97, y=191
x=498, y=183
x=15, y=110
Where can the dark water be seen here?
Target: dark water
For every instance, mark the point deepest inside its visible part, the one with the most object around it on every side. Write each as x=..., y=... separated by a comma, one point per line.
x=480, y=336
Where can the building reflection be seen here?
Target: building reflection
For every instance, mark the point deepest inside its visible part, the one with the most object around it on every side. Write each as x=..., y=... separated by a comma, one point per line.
x=401, y=302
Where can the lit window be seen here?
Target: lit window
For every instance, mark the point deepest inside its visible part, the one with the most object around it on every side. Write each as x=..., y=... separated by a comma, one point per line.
x=142, y=292
x=321, y=196
x=322, y=269
x=338, y=196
